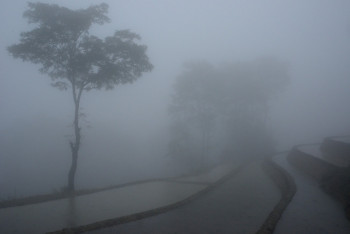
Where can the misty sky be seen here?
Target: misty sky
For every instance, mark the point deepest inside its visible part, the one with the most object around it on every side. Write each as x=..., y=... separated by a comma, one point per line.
x=313, y=36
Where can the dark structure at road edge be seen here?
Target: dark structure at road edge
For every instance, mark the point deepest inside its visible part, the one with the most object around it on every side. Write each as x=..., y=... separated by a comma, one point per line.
x=334, y=180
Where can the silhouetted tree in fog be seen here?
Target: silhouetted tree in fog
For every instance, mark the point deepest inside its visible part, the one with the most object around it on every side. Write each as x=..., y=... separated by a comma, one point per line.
x=194, y=104
x=248, y=87
x=74, y=59
x=225, y=108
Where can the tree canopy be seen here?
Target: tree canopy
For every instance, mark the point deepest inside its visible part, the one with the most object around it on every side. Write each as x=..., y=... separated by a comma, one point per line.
x=62, y=45
x=60, y=42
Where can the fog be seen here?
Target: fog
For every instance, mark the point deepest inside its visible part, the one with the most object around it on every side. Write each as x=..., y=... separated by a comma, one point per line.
x=126, y=131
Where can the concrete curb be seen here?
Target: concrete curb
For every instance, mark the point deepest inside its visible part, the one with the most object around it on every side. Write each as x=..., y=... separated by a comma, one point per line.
x=286, y=185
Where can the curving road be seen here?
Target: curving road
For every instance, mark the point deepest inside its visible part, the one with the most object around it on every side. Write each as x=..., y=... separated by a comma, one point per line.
x=239, y=205
x=311, y=210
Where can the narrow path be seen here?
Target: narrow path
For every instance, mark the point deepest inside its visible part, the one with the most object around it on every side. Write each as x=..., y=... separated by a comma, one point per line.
x=239, y=205
x=311, y=210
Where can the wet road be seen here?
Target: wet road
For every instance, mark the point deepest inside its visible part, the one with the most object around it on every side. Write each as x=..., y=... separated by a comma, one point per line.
x=311, y=210
x=239, y=205
x=109, y=204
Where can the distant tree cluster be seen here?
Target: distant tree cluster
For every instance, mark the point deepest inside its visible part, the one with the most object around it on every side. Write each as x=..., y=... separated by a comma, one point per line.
x=220, y=113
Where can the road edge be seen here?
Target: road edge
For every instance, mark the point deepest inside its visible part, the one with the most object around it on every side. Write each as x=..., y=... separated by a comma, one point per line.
x=286, y=184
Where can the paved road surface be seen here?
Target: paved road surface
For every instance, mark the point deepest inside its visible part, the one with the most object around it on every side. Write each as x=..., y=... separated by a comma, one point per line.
x=311, y=210
x=240, y=205
x=109, y=204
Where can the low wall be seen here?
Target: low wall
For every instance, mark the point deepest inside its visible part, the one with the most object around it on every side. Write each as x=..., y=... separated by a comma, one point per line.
x=336, y=149
x=315, y=167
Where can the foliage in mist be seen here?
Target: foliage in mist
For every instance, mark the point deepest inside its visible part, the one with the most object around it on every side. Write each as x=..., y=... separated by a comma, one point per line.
x=61, y=43
x=220, y=113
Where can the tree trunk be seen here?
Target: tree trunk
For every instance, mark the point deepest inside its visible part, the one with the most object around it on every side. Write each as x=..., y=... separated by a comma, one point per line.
x=74, y=145
x=72, y=170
